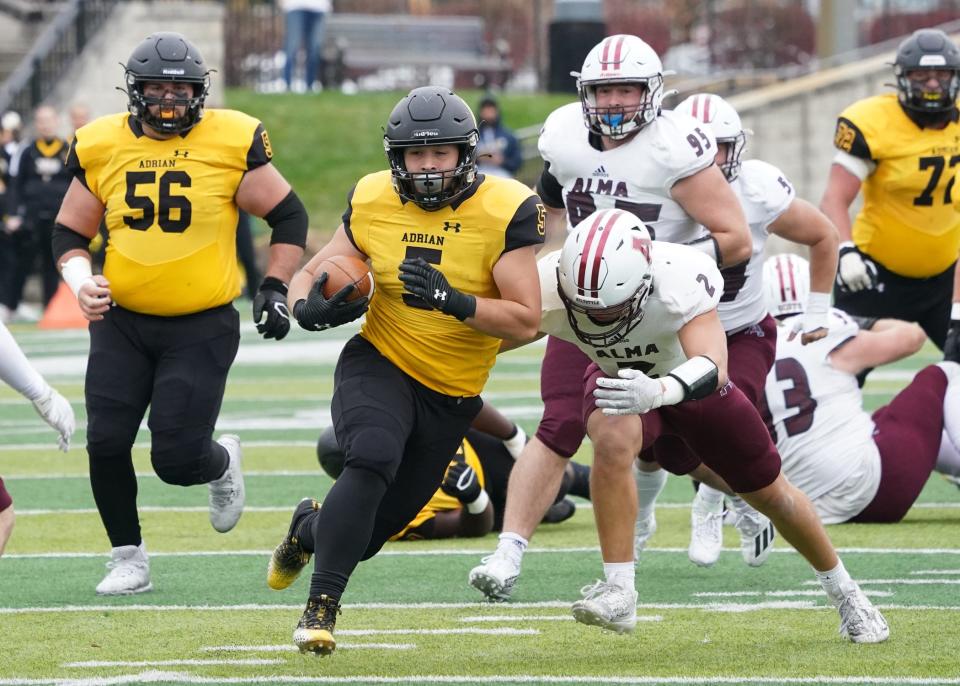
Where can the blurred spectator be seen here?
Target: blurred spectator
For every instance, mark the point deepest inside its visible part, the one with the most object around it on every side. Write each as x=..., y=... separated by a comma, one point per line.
x=79, y=115
x=498, y=152
x=9, y=138
x=304, y=28
x=39, y=180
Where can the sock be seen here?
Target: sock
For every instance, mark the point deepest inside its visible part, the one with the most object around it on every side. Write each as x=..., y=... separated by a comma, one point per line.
x=514, y=444
x=512, y=545
x=739, y=504
x=620, y=574
x=581, y=480
x=219, y=461
x=837, y=583
x=649, y=486
x=711, y=497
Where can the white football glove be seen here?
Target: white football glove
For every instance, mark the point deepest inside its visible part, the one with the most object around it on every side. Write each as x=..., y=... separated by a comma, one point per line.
x=632, y=393
x=56, y=412
x=814, y=318
x=855, y=272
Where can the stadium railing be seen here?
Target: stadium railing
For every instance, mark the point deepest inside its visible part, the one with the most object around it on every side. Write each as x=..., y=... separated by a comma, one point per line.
x=52, y=53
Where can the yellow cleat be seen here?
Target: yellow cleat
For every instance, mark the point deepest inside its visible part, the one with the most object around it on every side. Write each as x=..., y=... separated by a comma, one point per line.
x=289, y=558
x=314, y=632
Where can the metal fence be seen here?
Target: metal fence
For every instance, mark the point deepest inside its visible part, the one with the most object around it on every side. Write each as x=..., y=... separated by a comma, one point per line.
x=52, y=53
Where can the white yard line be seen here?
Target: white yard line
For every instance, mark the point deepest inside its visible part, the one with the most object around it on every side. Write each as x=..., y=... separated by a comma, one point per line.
x=775, y=594
x=252, y=662
x=543, y=618
x=901, y=582
x=290, y=648
x=936, y=571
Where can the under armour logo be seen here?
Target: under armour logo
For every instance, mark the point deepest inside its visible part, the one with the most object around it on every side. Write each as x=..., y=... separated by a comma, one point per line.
x=451, y=225
x=181, y=153
x=440, y=295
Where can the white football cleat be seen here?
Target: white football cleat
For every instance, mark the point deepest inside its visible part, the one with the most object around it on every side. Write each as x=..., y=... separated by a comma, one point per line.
x=706, y=532
x=129, y=572
x=227, y=493
x=756, y=534
x=642, y=531
x=860, y=621
x=608, y=606
x=496, y=576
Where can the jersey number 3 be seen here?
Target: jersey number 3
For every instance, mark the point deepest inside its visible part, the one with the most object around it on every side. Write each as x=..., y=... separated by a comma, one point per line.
x=169, y=204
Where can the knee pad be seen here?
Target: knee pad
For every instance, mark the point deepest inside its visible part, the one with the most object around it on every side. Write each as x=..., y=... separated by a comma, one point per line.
x=951, y=402
x=374, y=448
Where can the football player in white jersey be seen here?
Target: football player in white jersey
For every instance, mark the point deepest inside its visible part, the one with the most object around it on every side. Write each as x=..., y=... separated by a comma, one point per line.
x=771, y=207
x=855, y=467
x=617, y=295
x=657, y=165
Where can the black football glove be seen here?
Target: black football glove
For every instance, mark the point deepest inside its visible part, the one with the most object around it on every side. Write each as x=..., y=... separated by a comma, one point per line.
x=317, y=312
x=461, y=482
x=271, y=300
x=430, y=285
x=951, y=346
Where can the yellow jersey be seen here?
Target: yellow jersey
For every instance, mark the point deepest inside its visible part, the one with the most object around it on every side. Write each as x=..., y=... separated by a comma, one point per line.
x=910, y=221
x=441, y=502
x=171, y=213
x=464, y=241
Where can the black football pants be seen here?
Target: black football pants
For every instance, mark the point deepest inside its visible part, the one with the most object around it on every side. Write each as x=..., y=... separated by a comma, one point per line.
x=176, y=365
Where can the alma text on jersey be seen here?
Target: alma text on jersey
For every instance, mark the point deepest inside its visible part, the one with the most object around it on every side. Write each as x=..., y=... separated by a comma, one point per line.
x=629, y=352
x=424, y=238
x=157, y=164
x=617, y=189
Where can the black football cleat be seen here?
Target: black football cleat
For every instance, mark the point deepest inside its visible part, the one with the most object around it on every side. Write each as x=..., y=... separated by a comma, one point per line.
x=290, y=558
x=314, y=632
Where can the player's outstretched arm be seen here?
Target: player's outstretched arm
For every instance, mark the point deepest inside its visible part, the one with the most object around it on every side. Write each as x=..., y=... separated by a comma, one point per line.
x=803, y=223
x=887, y=341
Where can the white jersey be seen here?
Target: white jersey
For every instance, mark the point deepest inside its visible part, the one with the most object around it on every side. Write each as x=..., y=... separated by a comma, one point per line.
x=823, y=435
x=764, y=193
x=636, y=176
x=686, y=283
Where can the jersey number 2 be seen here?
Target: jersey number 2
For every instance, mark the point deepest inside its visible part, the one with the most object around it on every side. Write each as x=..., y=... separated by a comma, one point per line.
x=168, y=202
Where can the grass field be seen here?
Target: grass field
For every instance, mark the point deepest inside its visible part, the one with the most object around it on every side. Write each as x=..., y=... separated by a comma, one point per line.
x=409, y=616
x=324, y=143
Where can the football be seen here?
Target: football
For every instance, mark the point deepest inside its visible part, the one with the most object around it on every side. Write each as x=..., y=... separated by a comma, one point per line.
x=342, y=270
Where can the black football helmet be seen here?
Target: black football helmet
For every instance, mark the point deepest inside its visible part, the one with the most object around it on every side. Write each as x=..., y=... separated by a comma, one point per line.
x=431, y=115
x=329, y=454
x=927, y=49
x=166, y=56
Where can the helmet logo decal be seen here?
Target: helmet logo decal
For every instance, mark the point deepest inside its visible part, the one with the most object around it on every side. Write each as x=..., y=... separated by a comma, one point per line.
x=174, y=72
x=933, y=61
x=426, y=133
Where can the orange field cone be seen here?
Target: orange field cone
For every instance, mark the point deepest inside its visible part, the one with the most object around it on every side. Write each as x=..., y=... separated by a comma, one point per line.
x=63, y=311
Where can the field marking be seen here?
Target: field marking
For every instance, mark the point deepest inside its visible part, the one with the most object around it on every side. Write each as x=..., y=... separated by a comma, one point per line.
x=156, y=677
x=459, y=552
x=936, y=571
x=500, y=631
x=251, y=662
x=900, y=582
x=776, y=594
x=543, y=618
x=289, y=648
x=145, y=445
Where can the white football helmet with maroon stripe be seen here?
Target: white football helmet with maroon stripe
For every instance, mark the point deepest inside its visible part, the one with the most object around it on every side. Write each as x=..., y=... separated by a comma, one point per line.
x=604, y=276
x=725, y=124
x=620, y=59
x=786, y=283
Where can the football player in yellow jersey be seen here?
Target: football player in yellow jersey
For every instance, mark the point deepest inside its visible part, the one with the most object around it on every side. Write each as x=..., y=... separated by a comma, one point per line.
x=168, y=179
x=897, y=258
x=452, y=255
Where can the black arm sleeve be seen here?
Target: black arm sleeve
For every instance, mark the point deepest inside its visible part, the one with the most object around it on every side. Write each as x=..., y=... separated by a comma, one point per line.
x=347, y=216
x=289, y=221
x=527, y=226
x=549, y=189
x=260, y=152
x=851, y=140
x=64, y=239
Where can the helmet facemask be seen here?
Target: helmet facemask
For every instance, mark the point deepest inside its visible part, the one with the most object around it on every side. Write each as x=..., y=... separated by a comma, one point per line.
x=619, y=122
x=432, y=190
x=165, y=120
x=609, y=325
x=735, y=147
x=914, y=96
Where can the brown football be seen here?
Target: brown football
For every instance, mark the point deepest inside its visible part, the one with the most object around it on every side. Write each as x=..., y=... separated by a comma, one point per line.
x=342, y=270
